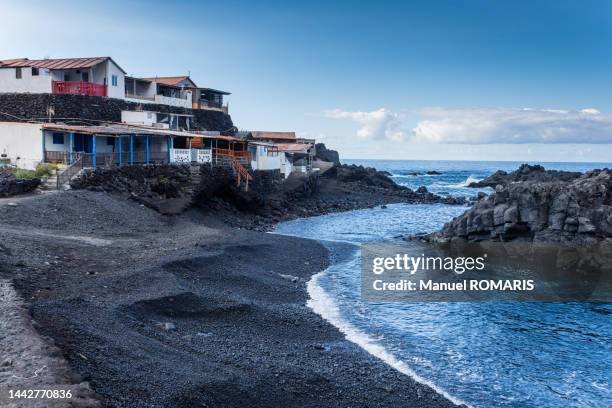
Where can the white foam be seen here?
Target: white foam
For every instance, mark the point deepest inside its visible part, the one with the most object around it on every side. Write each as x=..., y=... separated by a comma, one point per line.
x=471, y=179
x=322, y=304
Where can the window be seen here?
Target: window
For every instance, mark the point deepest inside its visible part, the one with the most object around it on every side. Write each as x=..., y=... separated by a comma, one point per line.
x=18, y=73
x=66, y=77
x=34, y=71
x=253, y=151
x=58, y=138
x=85, y=76
x=110, y=141
x=114, y=80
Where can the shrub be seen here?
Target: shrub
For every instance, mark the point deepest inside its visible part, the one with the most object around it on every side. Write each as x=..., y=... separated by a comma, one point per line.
x=24, y=174
x=45, y=169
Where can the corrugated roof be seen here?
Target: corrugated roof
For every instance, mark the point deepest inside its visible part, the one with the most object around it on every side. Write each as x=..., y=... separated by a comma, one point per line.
x=215, y=91
x=56, y=63
x=273, y=135
x=119, y=130
x=170, y=80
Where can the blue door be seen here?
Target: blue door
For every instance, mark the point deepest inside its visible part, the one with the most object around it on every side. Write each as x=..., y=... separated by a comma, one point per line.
x=83, y=143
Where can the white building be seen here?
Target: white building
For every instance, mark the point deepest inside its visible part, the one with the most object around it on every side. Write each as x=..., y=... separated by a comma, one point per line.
x=285, y=157
x=25, y=145
x=173, y=91
x=98, y=76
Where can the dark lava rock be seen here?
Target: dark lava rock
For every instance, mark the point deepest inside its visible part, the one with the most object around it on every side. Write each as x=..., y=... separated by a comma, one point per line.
x=433, y=173
x=325, y=154
x=10, y=185
x=525, y=172
x=543, y=206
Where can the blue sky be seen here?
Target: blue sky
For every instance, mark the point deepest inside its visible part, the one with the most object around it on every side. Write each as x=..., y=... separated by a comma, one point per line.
x=472, y=80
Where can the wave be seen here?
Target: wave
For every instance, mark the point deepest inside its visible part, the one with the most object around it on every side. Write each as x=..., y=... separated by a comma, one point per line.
x=471, y=179
x=413, y=175
x=323, y=305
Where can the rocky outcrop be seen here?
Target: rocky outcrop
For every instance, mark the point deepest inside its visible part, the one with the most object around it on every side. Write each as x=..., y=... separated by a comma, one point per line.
x=11, y=185
x=325, y=154
x=525, y=172
x=94, y=109
x=541, y=206
x=270, y=199
x=163, y=180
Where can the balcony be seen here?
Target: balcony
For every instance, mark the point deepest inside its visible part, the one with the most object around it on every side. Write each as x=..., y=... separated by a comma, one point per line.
x=213, y=105
x=79, y=88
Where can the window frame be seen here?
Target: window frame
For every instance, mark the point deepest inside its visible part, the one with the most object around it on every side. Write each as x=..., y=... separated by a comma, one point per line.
x=18, y=73
x=56, y=135
x=35, y=71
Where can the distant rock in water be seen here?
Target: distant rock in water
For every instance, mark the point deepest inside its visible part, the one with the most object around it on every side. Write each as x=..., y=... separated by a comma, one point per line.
x=525, y=172
x=535, y=204
x=325, y=154
x=433, y=173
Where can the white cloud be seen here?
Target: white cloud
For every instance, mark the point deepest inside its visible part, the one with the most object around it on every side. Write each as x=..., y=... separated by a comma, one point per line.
x=378, y=124
x=511, y=125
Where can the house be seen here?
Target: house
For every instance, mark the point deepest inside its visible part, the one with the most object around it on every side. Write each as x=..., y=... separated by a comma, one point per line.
x=27, y=144
x=97, y=76
x=162, y=120
x=181, y=90
x=210, y=99
x=281, y=151
x=173, y=91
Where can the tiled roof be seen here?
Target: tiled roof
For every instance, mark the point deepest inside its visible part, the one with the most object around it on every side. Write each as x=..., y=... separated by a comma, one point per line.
x=273, y=135
x=55, y=63
x=293, y=147
x=171, y=80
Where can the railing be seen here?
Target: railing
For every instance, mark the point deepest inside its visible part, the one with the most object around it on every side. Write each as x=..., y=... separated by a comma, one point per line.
x=232, y=153
x=241, y=174
x=78, y=88
x=56, y=157
x=144, y=97
x=204, y=104
x=69, y=172
x=173, y=101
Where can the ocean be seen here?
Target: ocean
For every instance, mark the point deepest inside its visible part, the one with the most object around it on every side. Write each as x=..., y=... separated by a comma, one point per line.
x=507, y=354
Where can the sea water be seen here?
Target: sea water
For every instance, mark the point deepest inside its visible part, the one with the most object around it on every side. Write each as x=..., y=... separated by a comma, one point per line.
x=508, y=354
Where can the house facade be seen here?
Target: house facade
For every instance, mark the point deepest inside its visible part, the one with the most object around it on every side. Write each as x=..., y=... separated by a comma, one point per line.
x=174, y=91
x=102, y=76
x=99, y=76
x=281, y=151
x=26, y=145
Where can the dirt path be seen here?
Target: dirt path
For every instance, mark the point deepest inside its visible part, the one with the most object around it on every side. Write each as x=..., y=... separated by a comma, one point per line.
x=29, y=361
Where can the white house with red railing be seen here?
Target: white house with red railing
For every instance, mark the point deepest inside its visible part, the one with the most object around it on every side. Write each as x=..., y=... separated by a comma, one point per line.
x=97, y=76
x=102, y=76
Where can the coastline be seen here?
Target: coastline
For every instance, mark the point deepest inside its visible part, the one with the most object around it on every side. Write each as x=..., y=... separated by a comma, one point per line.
x=184, y=310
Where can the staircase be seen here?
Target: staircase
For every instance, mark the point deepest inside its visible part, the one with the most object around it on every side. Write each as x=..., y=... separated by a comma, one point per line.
x=195, y=177
x=243, y=177
x=50, y=183
x=240, y=164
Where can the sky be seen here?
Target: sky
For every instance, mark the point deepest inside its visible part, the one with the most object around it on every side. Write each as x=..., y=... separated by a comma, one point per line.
x=434, y=80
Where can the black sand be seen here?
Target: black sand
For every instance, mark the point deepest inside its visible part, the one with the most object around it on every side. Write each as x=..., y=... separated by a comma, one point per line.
x=184, y=311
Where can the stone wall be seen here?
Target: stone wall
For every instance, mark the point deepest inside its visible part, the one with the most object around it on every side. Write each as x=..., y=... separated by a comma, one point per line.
x=266, y=181
x=15, y=107
x=10, y=186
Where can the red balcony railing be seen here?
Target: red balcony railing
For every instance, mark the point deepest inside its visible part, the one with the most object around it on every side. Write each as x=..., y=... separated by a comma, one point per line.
x=79, y=88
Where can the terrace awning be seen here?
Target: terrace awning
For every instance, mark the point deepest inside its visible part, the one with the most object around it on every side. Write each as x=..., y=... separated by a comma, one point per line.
x=122, y=130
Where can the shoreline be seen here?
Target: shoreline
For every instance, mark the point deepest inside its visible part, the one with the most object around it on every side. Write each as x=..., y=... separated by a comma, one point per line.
x=322, y=303
x=171, y=300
